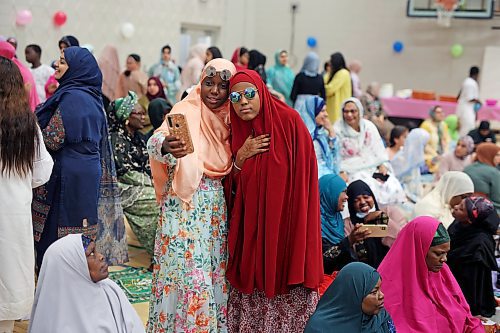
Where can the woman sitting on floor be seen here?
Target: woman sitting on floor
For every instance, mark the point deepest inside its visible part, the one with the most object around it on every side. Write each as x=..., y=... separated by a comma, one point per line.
x=421, y=293
x=472, y=254
x=74, y=294
x=449, y=191
x=126, y=118
x=352, y=303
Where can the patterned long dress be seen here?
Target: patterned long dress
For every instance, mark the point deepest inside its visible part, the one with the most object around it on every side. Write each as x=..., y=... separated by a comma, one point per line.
x=190, y=291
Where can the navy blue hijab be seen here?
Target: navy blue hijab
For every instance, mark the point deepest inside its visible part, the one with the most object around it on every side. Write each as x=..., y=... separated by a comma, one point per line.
x=79, y=92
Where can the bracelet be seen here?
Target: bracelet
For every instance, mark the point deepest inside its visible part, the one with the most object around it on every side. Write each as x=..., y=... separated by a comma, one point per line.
x=236, y=167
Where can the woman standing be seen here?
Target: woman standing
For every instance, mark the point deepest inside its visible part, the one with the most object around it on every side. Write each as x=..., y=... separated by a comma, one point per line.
x=280, y=76
x=133, y=78
x=73, y=126
x=275, y=262
x=190, y=290
x=338, y=86
x=240, y=58
x=24, y=164
x=192, y=71
x=308, y=82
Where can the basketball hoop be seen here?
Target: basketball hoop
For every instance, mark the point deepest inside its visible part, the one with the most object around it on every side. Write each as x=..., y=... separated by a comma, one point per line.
x=445, y=10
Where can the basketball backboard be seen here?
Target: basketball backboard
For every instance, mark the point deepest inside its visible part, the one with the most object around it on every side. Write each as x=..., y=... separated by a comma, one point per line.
x=469, y=9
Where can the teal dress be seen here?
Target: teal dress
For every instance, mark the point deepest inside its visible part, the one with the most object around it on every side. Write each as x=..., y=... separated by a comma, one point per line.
x=189, y=288
x=281, y=78
x=486, y=180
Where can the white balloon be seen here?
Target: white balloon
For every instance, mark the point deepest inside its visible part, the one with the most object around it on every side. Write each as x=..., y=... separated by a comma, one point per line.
x=127, y=30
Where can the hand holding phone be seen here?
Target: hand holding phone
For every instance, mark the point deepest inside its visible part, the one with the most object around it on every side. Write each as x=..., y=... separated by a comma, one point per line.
x=377, y=230
x=179, y=142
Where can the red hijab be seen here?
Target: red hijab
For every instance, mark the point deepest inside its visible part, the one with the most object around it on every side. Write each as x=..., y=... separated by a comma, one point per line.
x=160, y=93
x=275, y=232
x=235, y=59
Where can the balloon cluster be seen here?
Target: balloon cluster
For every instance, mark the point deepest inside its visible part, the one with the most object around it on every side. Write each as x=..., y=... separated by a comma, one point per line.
x=24, y=17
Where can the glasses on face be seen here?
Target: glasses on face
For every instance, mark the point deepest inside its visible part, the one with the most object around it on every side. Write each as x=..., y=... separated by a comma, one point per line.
x=350, y=111
x=225, y=74
x=249, y=93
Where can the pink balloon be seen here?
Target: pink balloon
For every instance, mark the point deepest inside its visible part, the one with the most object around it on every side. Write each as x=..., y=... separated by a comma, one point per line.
x=60, y=18
x=23, y=17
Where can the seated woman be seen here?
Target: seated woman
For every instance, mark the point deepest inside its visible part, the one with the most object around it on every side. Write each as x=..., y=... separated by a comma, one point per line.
x=74, y=294
x=484, y=174
x=420, y=291
x=364, y=209
x=472, y=254
x=457, y=159
x=336, y=247
x=408, y=161
x=157, y=110
x=396, y=141
x=439, y=139
x=354, y=302
x=313, y=113
x=374, y=111
x=126, y=118
x=274, y=241
x=449, y=191
x=361, y=147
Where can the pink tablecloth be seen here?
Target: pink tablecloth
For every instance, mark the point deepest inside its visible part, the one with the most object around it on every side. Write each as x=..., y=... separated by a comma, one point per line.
x=419, y=109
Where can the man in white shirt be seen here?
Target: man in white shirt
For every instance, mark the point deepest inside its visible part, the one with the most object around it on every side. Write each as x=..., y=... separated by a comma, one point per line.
x=467, y=99
x=41, y=72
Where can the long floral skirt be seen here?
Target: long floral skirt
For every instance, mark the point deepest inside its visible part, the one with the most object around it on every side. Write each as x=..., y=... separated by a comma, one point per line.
x=286, y=313
x=190, y=291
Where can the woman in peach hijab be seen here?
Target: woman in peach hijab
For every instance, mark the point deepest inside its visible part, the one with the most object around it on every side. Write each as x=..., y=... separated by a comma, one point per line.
x=190, y=290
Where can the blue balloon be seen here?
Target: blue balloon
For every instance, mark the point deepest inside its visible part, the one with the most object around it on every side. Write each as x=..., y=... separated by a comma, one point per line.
x=398, y=46
x=312, y=42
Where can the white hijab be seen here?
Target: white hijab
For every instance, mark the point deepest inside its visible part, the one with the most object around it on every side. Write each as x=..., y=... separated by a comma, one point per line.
x=437, y=202
x=363, y=150
x=67, y=300
x=412, y=154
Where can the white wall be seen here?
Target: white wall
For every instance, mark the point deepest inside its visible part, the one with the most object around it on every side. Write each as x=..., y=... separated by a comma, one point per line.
x=361, y=29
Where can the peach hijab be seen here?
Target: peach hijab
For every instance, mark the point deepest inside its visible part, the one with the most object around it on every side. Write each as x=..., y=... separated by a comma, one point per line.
x=210, y=135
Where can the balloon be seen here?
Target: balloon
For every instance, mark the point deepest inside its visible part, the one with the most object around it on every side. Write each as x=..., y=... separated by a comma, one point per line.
x=127, y=30
x=60, y=18
x=457, y=50
x=398, y=46
x=312, y=42
x=23, y=17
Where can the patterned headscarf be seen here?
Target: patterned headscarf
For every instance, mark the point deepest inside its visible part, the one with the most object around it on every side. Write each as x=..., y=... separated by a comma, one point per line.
x=441, y=236
x=125, y=105
x=478, y=208
x=469, y=142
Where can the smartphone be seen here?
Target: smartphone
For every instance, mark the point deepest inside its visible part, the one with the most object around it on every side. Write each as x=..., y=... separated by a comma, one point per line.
x=178, y=126
x=378, y=230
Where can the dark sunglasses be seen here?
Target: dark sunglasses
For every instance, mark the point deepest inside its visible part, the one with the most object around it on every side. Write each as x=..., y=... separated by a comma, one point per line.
x=225, y=74
x=249, y=93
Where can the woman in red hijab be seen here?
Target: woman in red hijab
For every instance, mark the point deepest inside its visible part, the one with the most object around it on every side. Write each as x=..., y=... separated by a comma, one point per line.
x=275, y=261
x=240, y=58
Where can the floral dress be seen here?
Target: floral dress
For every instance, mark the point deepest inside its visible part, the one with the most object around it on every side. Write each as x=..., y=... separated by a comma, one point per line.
x=190, y=291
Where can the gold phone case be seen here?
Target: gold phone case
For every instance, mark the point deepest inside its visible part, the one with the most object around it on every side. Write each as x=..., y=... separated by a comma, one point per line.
x=378, y=230
x=178, y=126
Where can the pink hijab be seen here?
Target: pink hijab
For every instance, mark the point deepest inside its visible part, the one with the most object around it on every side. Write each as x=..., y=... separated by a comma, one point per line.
x=8, y=51
x=419, y=300
x=210, y=135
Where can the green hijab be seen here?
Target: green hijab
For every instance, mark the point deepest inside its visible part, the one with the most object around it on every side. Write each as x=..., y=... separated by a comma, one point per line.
x=452, y=122
x=281, y=78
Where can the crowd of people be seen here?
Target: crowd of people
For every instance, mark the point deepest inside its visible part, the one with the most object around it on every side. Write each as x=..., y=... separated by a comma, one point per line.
x=294, y=204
